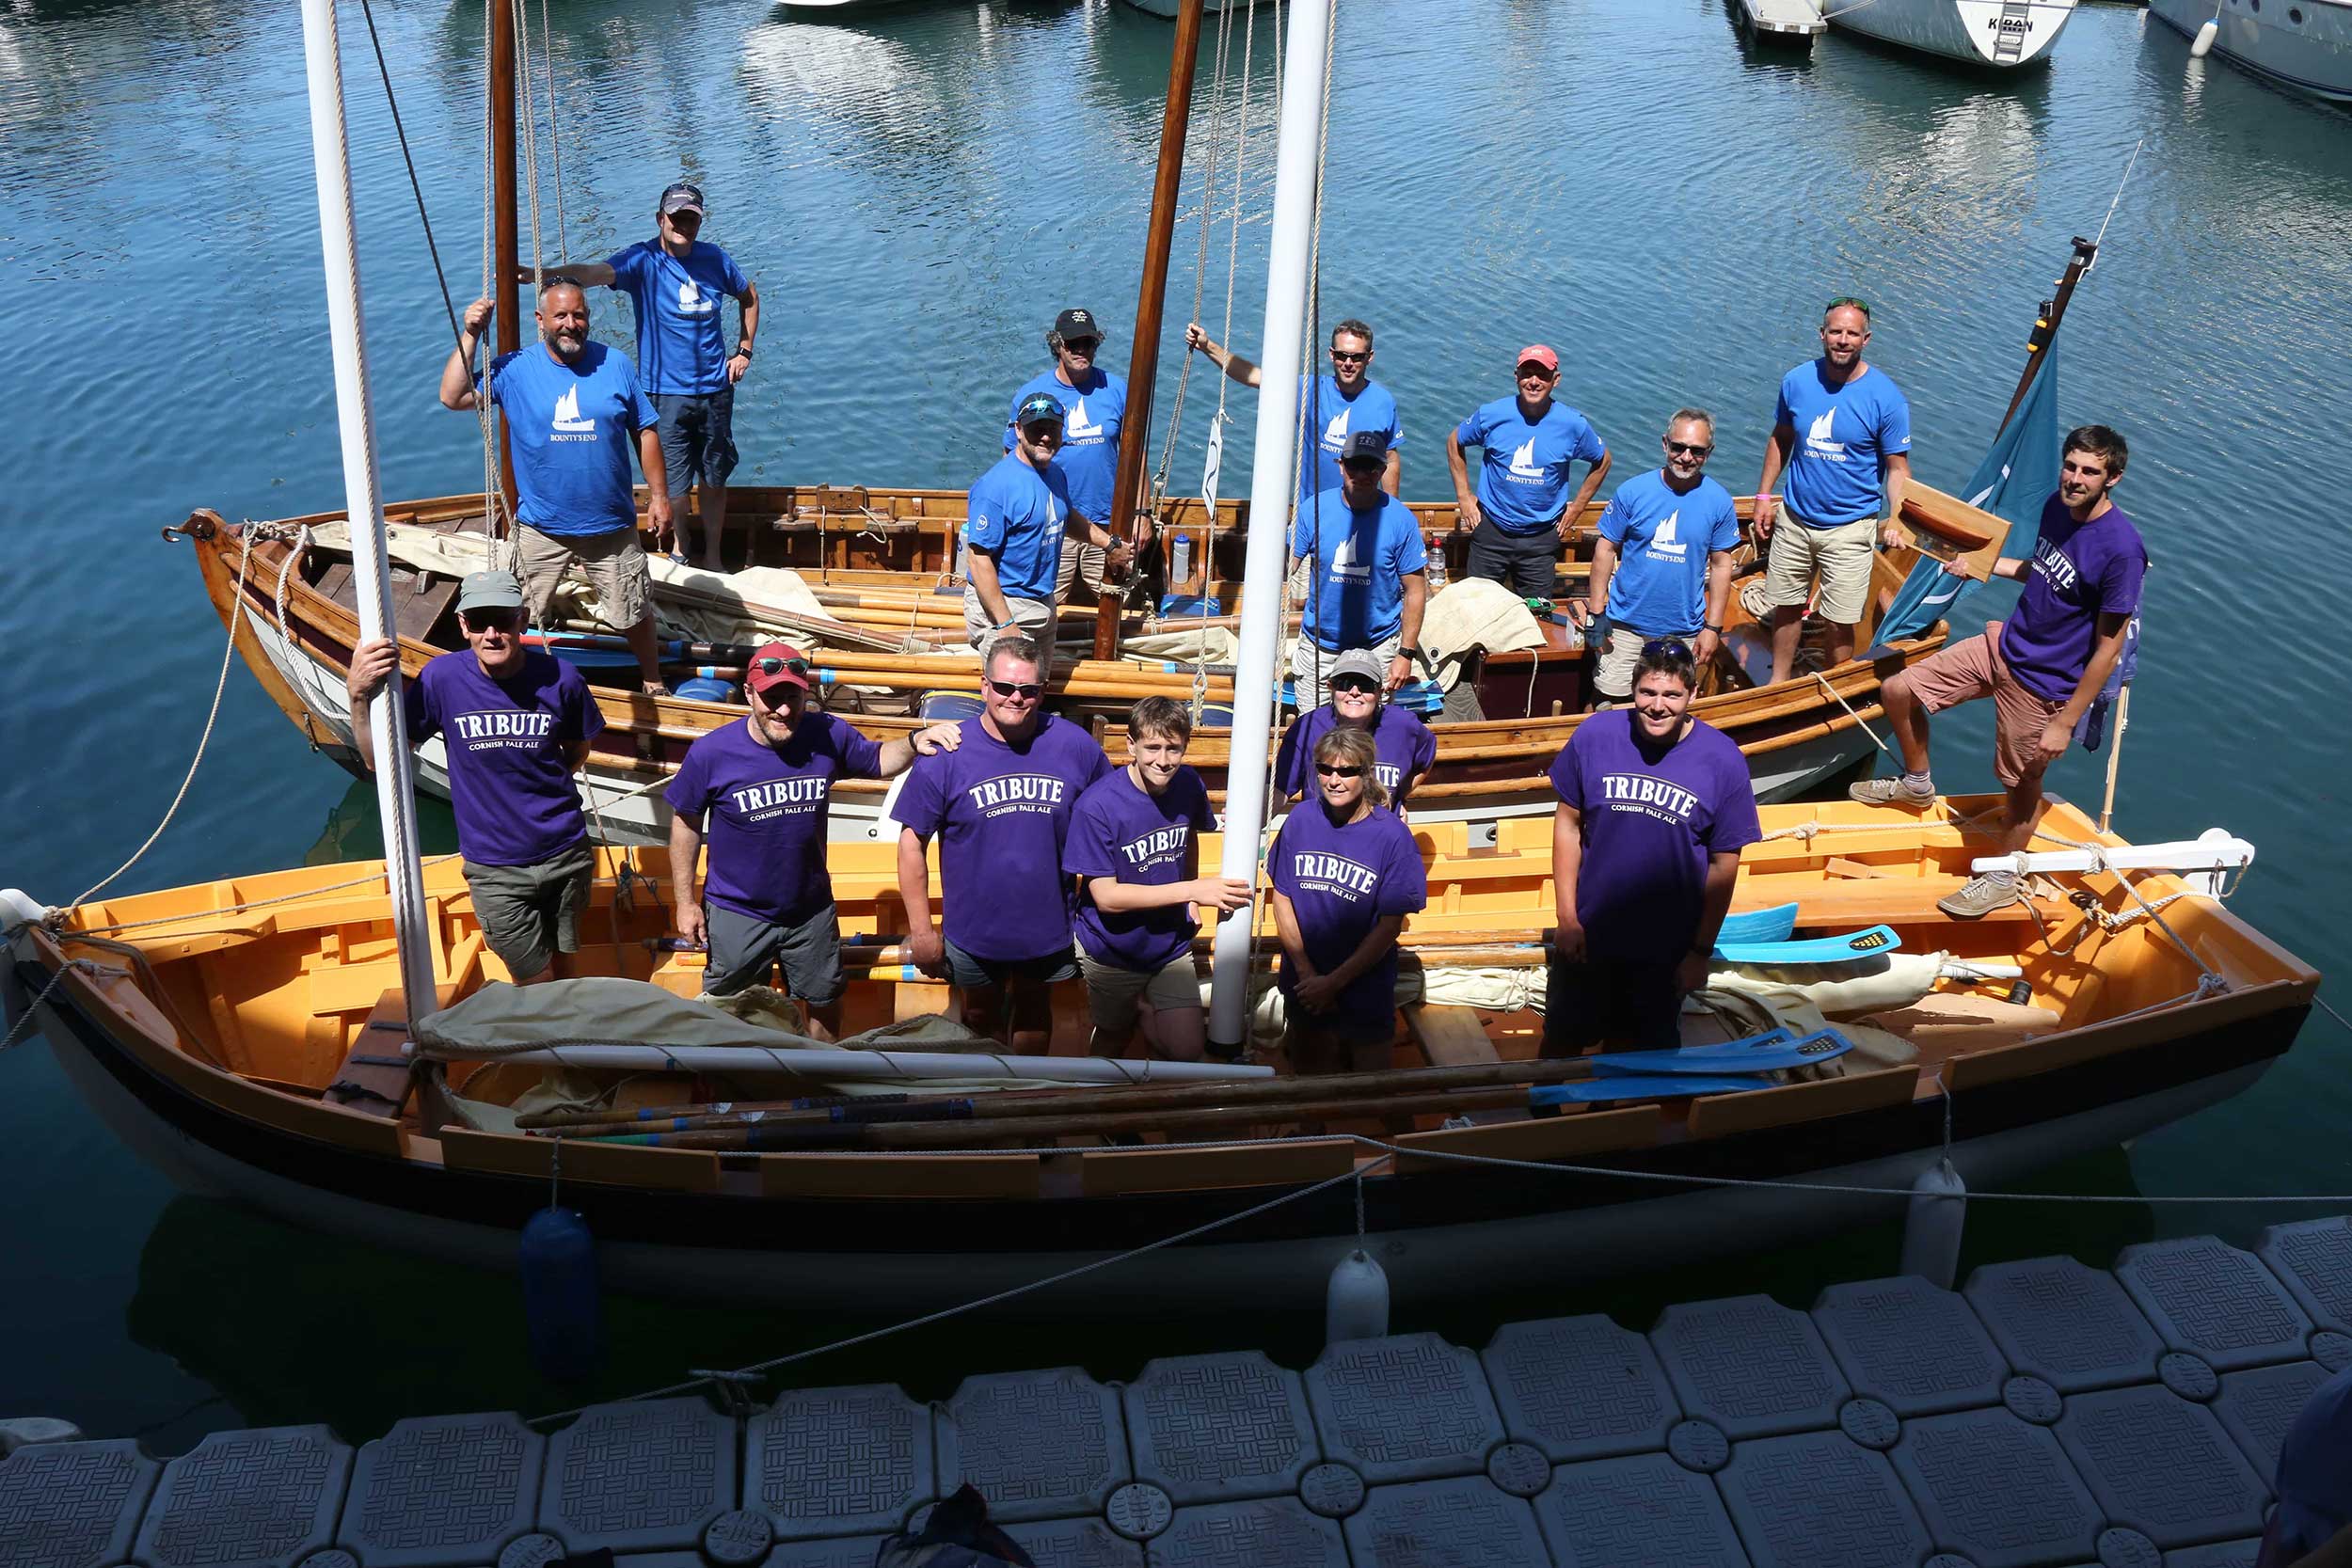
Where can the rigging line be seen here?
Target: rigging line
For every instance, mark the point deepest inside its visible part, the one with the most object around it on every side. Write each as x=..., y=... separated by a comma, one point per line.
x=2112, y=205
x=555, y=135
x=1214, y=157
x=391, y=102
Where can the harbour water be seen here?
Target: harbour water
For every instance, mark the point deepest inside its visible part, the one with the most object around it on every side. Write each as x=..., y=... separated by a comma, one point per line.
x=917, y=194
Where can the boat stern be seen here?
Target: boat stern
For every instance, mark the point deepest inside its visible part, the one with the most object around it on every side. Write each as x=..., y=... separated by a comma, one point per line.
x=2010, y=33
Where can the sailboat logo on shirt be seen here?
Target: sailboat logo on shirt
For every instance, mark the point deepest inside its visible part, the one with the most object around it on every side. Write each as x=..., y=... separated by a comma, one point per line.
x=567, y=419
x=691, y=301
x=1818, y=441
x=1523, y=464
x=1335, y=434
x=1666, y=540
x=1344, y=564
x=1081, y=425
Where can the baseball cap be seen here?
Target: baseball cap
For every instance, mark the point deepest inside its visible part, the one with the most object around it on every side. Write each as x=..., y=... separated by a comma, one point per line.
x=1540, y=354
x=1037, y=408
x=1363, y=444
x=489, y=591
x=1357, y=661
x=776, y=664
x=683, y=198
x=1075, y=324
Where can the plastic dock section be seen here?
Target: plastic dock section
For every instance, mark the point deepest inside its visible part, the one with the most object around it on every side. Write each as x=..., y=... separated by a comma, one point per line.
x=2046, y=1413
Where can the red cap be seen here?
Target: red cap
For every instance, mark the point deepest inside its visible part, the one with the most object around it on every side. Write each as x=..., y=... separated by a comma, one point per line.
x=1540, y=354
x=791, y=668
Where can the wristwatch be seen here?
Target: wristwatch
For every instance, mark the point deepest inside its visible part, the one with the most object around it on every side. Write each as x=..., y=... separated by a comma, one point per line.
x=744, y=349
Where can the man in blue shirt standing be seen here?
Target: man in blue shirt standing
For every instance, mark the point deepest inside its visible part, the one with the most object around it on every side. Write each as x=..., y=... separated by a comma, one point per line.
x=674, y=282
x=1368, y=582
x=1335, y=406
x=1522, y=515
x=1857, y=436
x=1094, y=406
x=1014, y=523
x=571, y=407
x=1661, y=566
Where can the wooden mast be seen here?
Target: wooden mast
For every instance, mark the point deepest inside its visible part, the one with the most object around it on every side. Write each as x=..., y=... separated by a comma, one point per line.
x=2045, y=327
x=506, y=264
x=1135, y=435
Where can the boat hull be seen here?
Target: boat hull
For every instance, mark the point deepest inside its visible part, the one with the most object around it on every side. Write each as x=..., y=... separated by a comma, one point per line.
x=2312, y=54
x=1997, y=33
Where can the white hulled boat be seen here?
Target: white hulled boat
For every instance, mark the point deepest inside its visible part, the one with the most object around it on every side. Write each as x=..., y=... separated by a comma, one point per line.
x=2303, y=44
x=1999, y=33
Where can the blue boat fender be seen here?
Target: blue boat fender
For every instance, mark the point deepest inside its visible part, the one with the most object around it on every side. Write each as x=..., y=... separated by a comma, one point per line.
x=563, y=1302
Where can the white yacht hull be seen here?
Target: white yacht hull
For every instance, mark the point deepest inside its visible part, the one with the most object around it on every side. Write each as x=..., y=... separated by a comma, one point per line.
x=2303, y=44
x=2002, y=33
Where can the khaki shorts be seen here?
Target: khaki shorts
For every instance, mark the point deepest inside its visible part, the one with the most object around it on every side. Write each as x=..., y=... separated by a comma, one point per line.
x=1841, y=557
x=1311, y=667
x=529, y=914
x=1111, y=991
x=1964, y=672
x=1035, y=619
x=1080, y=563
x=1612, y=667
x=612, y=561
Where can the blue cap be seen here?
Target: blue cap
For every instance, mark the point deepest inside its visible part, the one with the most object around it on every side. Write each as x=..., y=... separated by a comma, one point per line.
x=1038, y=408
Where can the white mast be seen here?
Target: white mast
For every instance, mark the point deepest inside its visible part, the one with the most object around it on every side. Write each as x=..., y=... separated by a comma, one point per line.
x=395, y=798
x=1272, y=482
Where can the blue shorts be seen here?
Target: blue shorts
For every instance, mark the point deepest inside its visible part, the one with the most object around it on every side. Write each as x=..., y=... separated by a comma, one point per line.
x=697, y=433
x=977, y=973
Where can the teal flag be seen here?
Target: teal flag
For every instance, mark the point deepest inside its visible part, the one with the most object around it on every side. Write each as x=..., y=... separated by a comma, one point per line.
x=2014, y=482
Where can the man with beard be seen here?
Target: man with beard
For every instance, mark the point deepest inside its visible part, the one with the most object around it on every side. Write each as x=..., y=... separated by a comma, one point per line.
x=572, y=407
x=1661, y=566
x=1094, y=406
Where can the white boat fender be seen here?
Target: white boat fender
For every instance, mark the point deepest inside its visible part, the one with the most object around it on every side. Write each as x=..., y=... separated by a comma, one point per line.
x=1933, y=1225
x=1356, y=1304
x=2201, y=45
x=563, y=1308
x=18, y=909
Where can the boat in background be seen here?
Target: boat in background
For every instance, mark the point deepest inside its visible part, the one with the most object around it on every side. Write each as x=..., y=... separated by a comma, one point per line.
x=1999, y=33
x=1788, y=24
x=2302, y=44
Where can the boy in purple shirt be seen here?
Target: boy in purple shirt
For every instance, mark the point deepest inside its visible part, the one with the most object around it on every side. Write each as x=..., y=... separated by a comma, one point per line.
x=1655, y=807
x=2043, y=669
x=762, y=790
x=1000, y=805
x=1135, y=846
x=517, y=723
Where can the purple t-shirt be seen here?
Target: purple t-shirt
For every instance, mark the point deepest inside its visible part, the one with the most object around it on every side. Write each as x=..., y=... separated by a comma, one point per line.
x=1340, y=881
x=1403, y=748
x=2079, y=572
x=1001, y=815
x=1123, y=832
x=510, y=773
x=767, y=807
x=1649, y=823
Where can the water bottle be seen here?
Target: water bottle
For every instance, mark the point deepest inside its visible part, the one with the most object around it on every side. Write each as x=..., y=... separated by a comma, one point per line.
x=1180, y=561
x=1437, y=566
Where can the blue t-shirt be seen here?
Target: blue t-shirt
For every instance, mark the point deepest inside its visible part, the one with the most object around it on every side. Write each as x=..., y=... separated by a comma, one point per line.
x=1016, y=517
x=1523, y=479
x=1091, y=415
x=1845, y=435
x=1340, y=882
x=767, y=807
x=509, y=743
x=1663, y=538
x=680, y=340
x=1123, y=832
x=1323, y=406
x=569, y=426
x=1401, y=749
x=1356, y=596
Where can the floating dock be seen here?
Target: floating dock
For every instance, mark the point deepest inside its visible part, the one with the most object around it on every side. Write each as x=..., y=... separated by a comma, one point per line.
x=1795, y=22
x=2046, y=1413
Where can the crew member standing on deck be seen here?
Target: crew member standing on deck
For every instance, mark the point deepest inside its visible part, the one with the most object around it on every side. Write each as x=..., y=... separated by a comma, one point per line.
x=1135, y=846
x=1014, y=524
x=1346, y=402
x=1661, y=566
x=1369, y=583
x=1654, y=806
x=2043, y=669
x=1094, y=406
x=674, y=281
x=1522, y=515
x=1825, y=528
x=1404, y=748
x=571, y=407
x=1000, y=805
x=762, y=790
x=516, y=722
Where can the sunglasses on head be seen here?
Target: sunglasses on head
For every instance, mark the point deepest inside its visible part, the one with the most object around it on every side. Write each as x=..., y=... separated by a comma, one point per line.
x=1338, y=771
x=1030, y=689
x=1665, y=647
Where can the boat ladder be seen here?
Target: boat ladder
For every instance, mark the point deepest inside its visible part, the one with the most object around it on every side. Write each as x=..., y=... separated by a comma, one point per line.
x=2013, y=26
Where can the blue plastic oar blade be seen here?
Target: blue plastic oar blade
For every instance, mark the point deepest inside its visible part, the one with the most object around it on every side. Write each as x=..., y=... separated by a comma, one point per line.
x=1775, y=1052
x=1816, y=950
x=1777, y=923
x=1664, y=1085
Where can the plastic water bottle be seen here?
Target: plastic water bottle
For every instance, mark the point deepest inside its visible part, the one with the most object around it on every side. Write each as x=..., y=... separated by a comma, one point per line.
x=1180, y=561
x=1437, y=566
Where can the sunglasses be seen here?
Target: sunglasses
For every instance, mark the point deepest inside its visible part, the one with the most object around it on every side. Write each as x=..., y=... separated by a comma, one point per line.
x=494, y=620
x=773, y=666
x=1665, y=647
x=1843, y=301
x=1692, y=447
x=1081, y=345
x=1333, y=770
x=1031, y=691
x=1343, y=356
x=1365, y=468
x=1356, y=684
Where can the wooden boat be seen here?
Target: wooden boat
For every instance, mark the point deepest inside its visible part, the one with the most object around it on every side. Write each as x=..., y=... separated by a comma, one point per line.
x=896, y=547
x=238, y=1033
x=1998, y=33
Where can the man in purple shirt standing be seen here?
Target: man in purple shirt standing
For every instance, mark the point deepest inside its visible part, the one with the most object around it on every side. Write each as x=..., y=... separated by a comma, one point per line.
x=762, y=790
x=517, y=723
x=2043, y=669
x=1000, y=805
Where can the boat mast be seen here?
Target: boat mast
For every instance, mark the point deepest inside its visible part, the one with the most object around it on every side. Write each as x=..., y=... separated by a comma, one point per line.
x=395, y=797
x=2045, y=327
x=506, y=265
x=1273, y=479
x=1135, y=434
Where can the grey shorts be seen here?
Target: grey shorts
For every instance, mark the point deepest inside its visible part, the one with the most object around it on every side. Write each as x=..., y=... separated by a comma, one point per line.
x=1526, y=563
x=529, y=914
x=1612, y=666
x=697, y=432
x=1112, y=991
x=1034, y=618
x=977, y=973
x=612, y=561
x=744, y=948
